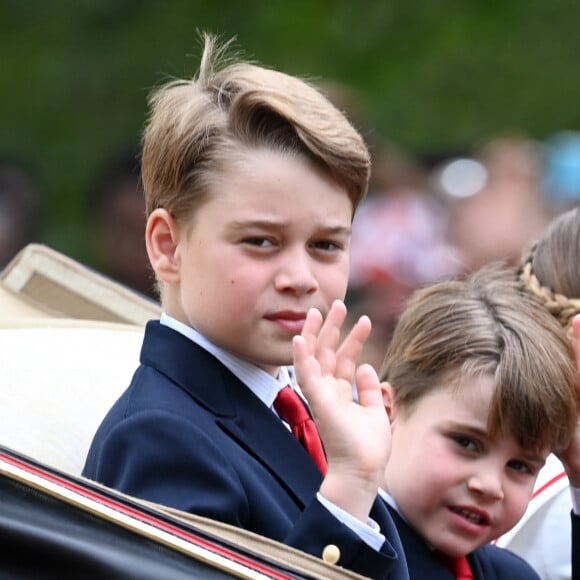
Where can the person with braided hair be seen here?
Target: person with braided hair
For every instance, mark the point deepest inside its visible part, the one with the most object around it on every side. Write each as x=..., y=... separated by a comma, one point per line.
x=550, y=270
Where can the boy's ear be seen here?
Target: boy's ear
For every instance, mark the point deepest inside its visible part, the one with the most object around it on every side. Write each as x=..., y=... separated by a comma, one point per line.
x=389, y=400
x=161, y=239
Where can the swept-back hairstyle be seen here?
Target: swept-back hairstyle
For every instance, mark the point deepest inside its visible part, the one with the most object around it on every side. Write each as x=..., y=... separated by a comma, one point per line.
x=197, y=126
x=551, y=268
x=487, y=326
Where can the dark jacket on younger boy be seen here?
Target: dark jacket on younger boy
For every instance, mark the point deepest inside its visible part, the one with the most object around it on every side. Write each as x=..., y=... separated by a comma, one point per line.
x=189, y=434
x=487, y=563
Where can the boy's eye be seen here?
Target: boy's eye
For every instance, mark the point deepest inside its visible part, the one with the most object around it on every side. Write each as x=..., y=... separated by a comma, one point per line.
x=326, y=245
x=520, y=466
x=259, y=242
x=466, y=443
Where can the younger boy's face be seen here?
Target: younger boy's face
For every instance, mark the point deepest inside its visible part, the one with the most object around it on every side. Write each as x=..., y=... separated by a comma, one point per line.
x=271, y=243
x=458, y=487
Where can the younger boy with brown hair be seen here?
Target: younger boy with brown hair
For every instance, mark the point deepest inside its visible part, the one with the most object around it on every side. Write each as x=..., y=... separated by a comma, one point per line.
x=251, y=181
x=482, y=387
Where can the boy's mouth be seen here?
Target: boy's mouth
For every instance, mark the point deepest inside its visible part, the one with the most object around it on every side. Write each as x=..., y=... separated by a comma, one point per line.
x=473, y=516
x=289, y=321
x=286, y=315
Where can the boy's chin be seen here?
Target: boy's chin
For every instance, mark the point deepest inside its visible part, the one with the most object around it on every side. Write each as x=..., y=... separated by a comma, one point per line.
x=272, y=360
x=279, y=361
x=456, y=549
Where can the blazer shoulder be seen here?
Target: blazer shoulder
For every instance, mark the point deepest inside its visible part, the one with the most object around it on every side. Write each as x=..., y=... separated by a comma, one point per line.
x=502, y=564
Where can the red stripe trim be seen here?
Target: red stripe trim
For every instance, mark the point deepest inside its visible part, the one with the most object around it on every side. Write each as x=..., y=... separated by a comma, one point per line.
x=544, y=487
x=548, y=484
x=142, y=516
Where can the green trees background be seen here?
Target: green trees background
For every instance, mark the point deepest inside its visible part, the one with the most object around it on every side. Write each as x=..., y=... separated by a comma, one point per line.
x=431, y=74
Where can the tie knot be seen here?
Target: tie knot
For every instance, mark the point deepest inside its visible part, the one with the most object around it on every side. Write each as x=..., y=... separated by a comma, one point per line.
x=291, y=407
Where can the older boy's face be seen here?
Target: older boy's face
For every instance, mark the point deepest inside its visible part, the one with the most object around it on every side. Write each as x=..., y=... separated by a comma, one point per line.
x=271, y=242
x=455, y=485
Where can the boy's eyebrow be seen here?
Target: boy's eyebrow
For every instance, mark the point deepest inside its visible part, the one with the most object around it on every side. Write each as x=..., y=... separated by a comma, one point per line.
x=471, y=430
x=527, y=453
x=534, y=456
x=269, y=224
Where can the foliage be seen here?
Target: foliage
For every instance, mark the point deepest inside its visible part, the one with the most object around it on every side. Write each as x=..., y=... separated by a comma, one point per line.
x=430, y=74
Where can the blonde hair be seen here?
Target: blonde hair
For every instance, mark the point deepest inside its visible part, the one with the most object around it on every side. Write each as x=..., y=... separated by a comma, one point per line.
x=486, y=325
x=197, y=126
x=551, y=268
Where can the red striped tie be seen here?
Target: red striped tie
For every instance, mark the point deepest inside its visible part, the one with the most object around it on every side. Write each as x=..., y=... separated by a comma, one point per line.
x=292, y=409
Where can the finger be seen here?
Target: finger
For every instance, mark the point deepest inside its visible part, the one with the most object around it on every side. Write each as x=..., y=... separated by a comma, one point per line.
x=369, y=387
x=299, y=351
x=305, y=365
x=330, y=332
x=311, y=329
x=352, y=347
x=329, y=336
x=312, y=323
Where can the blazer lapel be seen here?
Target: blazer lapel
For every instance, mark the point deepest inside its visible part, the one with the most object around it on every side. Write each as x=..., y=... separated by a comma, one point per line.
x=262, y=434
x=238, y=411
x=421, y=561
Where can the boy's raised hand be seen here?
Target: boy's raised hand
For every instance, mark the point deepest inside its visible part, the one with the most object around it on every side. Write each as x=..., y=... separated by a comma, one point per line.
x=570, y=457
x=356, y=435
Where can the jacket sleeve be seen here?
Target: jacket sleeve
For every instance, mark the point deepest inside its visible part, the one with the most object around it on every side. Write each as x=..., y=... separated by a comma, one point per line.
x=166, y=459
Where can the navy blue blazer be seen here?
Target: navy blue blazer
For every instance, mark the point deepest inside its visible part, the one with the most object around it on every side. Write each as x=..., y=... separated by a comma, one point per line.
x=487, y=563
x=188, y=434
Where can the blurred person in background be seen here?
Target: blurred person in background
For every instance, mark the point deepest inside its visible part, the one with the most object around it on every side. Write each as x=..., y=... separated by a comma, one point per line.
x=398, y=245
x=399, y=232
x=21, y=205
x=117, y=206
x=562, y=171
x=498, y=218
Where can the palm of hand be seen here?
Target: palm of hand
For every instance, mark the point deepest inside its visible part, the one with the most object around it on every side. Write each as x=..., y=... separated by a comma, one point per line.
x=356, y=434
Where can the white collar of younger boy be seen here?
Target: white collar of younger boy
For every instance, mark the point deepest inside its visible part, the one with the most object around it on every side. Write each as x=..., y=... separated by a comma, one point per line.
x=262, y=384
x=389, y=499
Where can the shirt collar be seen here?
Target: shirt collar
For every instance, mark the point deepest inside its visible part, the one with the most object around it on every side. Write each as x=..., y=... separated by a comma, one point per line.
x=262, y=384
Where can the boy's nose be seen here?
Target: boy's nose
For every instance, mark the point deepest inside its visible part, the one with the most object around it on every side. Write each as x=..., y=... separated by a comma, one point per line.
x=487, y=482
x=296, y=274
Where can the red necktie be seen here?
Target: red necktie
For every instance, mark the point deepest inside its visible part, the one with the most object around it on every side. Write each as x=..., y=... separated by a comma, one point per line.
x=291, y=408
x=460, y=567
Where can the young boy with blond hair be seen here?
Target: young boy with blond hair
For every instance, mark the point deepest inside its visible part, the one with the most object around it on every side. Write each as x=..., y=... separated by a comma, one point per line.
x=251, y=181
x=481, y=388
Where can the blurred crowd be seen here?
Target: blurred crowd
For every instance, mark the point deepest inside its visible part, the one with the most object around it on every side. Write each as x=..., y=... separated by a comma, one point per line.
x=425, y=219
x=115, y=208
x=458, y=213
